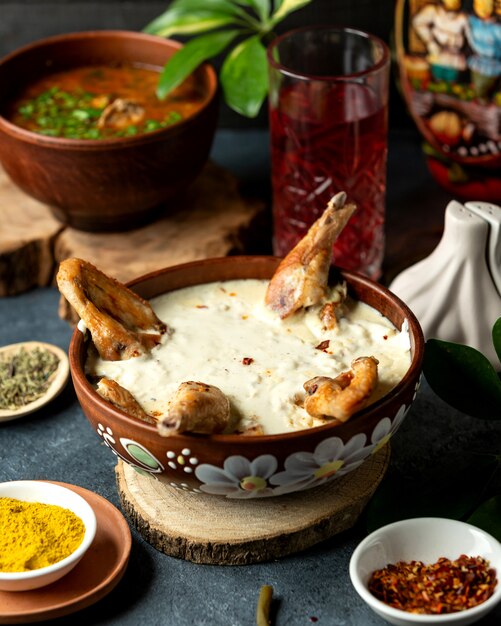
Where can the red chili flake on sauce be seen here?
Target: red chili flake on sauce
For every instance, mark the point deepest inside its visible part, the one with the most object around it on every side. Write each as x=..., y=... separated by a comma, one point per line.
x=442, y=587
x=247, y=360
x=202, y=306
x=323, y=346
x=385, y=337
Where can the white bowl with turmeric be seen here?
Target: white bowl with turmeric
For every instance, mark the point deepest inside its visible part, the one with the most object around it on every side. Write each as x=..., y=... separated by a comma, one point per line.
x=46, y=530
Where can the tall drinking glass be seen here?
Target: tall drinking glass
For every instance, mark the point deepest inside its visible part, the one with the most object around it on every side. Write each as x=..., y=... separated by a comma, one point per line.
x=328, y=111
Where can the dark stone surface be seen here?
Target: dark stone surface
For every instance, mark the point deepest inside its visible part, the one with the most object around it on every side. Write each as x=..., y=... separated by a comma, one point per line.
x=57, y=443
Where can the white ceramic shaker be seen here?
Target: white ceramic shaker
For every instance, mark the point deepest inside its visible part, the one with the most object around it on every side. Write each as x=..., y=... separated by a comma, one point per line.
x=456, y=291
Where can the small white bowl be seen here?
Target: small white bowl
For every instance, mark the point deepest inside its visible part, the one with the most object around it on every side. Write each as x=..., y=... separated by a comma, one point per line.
x=423, y=539
x=48, y=493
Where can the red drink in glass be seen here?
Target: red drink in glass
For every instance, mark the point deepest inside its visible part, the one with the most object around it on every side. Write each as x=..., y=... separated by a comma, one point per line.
x=329, y=134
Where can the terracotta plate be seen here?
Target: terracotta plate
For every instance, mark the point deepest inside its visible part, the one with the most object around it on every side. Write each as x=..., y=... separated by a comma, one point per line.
x=96, y=575
x=58, y=379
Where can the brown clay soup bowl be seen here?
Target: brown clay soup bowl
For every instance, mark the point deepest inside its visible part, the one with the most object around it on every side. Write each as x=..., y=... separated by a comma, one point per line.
x=236, y=466
x=103, y=184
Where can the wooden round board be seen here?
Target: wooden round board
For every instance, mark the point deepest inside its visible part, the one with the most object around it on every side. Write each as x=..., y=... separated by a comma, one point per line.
x=219, y=531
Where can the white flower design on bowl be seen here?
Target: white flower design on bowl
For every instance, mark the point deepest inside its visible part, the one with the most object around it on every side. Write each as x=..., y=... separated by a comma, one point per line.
x=107, y=434
x=141, y=459
x=386, y=429
x=184, y=460
x=331, y=459
x=239, y=477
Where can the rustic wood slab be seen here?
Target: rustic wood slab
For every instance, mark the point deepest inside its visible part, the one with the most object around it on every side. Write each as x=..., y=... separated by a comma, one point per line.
x=219, y=531
x=27, y=234
x=211, y=219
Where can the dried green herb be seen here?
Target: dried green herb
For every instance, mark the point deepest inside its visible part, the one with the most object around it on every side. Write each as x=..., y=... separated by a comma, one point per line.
x=25, y=376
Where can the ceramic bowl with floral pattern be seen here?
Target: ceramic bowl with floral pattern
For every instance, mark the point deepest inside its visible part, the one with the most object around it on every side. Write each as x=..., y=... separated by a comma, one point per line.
x=242, y=467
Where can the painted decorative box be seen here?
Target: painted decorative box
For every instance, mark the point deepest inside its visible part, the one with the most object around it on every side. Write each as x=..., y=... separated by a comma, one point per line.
x=449, y=59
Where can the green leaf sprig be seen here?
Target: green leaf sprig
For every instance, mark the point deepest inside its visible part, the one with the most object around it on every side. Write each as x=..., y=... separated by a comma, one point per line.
x=216, y=24
x=466, y=380
x=464, y=377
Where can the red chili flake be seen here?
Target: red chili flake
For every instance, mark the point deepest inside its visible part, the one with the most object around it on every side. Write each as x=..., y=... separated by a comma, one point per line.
x=385, y=337
x=323, y=346
x=247, y=360
x=202, y=306
x=313, y=619
x=442, y=587
x=232, y=293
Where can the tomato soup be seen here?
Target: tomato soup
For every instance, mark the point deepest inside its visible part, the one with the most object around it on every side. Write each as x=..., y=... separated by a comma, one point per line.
x=102, y=102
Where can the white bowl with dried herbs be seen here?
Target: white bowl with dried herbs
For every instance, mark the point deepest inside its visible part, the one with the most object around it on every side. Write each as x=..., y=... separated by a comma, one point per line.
x=32, y=374
x=46, y=530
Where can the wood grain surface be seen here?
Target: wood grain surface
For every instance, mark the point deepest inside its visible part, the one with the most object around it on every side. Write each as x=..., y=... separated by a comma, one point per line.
x=27, y=234
x=211, y=219
x=215, y=530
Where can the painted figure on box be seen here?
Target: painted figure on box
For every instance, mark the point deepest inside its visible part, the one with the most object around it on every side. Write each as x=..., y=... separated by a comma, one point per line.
x=484, y=36
x=442, y=28
x=449, y=55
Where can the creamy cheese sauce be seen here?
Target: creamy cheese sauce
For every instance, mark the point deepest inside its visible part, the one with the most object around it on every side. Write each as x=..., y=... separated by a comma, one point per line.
x=224, y=335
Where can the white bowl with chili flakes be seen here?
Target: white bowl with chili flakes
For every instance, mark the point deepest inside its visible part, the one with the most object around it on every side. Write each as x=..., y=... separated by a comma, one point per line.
x=383, y=562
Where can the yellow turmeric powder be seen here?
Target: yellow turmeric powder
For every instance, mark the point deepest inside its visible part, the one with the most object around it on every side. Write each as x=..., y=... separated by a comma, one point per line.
x=34, y=535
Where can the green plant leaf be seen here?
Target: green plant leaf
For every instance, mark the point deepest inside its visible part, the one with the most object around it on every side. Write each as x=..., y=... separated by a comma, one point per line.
x=488, y=517
x=228, y=7
x=221, y=6
x=452, y=495
x=261, y=7
x=191, y=17
x=285, y=7
x=244, y=77
x=496, y=337
x=174, y=22
x=464, y=378
x=189, y=58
